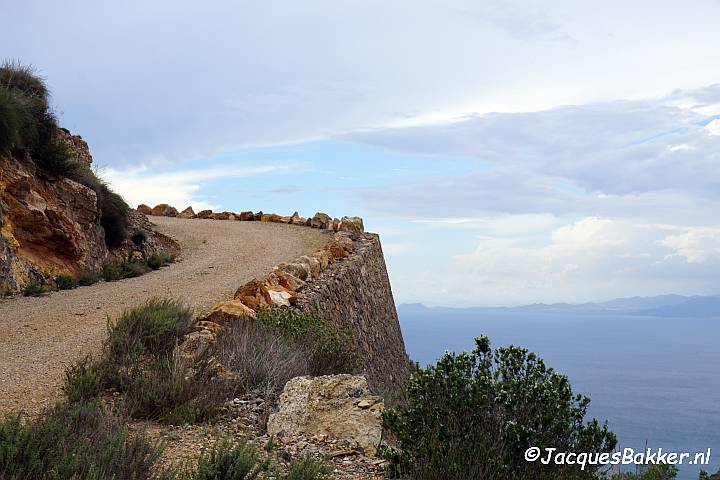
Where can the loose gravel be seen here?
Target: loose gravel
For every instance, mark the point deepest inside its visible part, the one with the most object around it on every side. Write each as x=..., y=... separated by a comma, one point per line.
x=41, y=337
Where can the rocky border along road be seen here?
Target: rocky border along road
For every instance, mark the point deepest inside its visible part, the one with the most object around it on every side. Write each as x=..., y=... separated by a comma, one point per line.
x=42, y=336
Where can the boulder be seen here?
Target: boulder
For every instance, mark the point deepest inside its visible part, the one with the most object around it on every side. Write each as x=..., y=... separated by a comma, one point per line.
x=229, y=311
x=286, y=280
x=144, y=209
x=337, y=406
x=246, y=216
x=351, y=224
x=336, y=250
x=296, y=219
x=194, y=345
x=224, y=216
x=298, y=270
x=281, y=297
x=312, y=264
x=204, y=214
x=321, y=220
x=187, y=213
x=323, y=257
x=271, y=217
x=164, y=210
x=257, y=216
x=254, y=294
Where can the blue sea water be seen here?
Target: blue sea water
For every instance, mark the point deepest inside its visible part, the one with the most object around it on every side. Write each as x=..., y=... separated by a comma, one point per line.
x=654, y=379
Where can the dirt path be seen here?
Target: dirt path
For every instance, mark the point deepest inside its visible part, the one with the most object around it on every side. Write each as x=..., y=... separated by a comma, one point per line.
x=40, y=337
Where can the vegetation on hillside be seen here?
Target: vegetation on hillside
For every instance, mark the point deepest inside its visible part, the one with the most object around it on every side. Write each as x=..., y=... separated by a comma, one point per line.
x=473, y=415
x=28, y=127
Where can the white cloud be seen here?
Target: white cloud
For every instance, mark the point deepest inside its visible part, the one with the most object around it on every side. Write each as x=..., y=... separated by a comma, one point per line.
x=696, y=245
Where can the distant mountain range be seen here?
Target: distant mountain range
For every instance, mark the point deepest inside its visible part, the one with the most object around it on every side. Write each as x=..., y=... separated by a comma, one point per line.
x=658, y=306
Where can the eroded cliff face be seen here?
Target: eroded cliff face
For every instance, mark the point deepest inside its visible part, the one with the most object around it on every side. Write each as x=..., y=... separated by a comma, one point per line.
x=47, y=226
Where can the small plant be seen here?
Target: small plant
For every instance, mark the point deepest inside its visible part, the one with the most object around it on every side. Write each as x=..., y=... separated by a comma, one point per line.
x=159, y=260
x=74, y=441
x=307, y=468
x=65, y=282
x=230, y=460
x=121, y=269
x=89, y=278
x=83, y=380
x=34, y=289
x=138, y=238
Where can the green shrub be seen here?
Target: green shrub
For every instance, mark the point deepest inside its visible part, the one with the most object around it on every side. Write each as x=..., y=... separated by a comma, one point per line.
x=159, y=260
x=16, y=122
x=120, y=269
x=307, y=469
x=89, y=278
x=153, y=328
x=65, y=282
x=83, y=380
x=34, y=289
x=231, y=460
x=24, y=79
x=473, y=415
x=76, y=441
x=330, y=350
x=138, y=238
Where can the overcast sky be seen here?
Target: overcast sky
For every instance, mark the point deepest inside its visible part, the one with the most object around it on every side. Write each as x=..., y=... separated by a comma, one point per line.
x=508, y=152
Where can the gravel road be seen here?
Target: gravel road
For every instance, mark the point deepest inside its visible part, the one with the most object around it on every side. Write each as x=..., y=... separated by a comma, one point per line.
x=40, y=337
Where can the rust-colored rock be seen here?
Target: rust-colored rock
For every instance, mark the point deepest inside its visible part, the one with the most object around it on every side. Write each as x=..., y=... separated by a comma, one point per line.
x=272, y=217
x=229, y=311
x=296, y=219
x=164, y=210
x=224, y=216
x=204, y=214
x=194, y=346
x=246, y=216
x=144, y=209
x=336, y=250
x=258, y=216
x=254, y=294
x=77, y=145
x=321, y=220
x=187, y=213
x=351, y=224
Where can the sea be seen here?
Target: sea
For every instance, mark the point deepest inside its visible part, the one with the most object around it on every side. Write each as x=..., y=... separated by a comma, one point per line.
x=655, y=379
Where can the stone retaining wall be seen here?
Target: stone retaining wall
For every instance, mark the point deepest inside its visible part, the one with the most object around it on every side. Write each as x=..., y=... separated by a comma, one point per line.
x=356, y=292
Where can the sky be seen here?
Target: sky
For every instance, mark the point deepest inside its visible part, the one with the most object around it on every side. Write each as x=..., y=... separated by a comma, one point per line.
x=507, y=152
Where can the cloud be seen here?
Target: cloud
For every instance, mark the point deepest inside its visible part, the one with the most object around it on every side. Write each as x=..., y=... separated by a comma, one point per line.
x=696, y=245
x=194, y=79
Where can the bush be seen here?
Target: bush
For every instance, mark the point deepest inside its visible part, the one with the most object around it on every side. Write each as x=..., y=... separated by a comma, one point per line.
x=74, y=441
x=330, y=351
x=83, y=380
x=474, y=414
x=138, y=238
x=120, y=269
x=307, y=469
x=24, y=79
x=159, y=260
x=65, y=282
x=259, y=357
x=230, y=460
x=153, y=328
x=34, y=289
x=89, y=278
x=16, y=122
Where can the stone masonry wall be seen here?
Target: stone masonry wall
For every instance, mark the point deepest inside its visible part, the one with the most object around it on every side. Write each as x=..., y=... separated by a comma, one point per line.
x=356, y=292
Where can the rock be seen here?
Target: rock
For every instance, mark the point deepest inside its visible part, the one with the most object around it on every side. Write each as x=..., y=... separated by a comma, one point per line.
x=228, y=311
x=224, y=216
x=144, y=209
x=296, y=219
x=257, y=216
x=298, y=270
x=187, y=213
x=204, y=214
x=323, y=257
x=321, y=220
x=329, y=405
x=194, y=345
x=164, y=210
x=288, y=280
x=336, y=250
x=280, y=297
x=246, y=216
x=312, y=264
x=272, y=217
x=254, y=294
x=352, y=224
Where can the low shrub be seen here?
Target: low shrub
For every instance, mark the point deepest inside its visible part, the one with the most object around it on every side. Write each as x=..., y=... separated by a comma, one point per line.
x=138, y=238
x=158, y=260
x=16, y=123
x=259, y=357
x=89, y=278
x=83, y=380
x=34, y=289
x=121, y=269
x=65, y=282
x=79, y=441
x=152, y=328
x=472, y=415
x=330, y=350
x=231, y=459
x=307, y=468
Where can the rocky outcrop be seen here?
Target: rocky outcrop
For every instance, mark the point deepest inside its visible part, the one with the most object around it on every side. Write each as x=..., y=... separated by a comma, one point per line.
x=164, y=210
x=187, y=213
x=47, y=227
x=77, y=145
x=332, y=406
